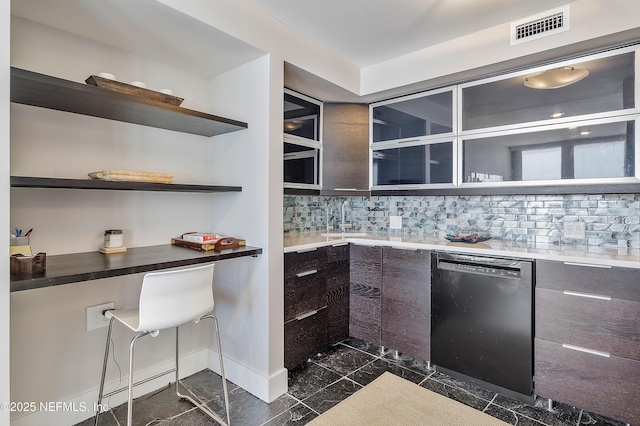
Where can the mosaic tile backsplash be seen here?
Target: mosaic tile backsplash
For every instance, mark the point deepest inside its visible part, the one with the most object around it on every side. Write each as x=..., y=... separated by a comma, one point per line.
x=611, y=220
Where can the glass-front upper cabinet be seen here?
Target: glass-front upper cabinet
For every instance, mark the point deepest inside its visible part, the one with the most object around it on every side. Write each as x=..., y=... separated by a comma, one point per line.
x=413, y=116
x=302, y=141
x=412, y=141
x=591, y=152
x=603, y=85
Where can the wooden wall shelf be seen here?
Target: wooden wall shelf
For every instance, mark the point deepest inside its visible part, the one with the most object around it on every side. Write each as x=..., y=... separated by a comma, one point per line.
x=78, y=267
x=43, y=182
x=31, y=88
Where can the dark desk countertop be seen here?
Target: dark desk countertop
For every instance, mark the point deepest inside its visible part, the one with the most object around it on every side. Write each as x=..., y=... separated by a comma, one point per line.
x=77, y=267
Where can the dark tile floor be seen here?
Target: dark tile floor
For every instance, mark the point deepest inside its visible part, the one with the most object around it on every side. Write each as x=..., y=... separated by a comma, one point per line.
x=323, y=382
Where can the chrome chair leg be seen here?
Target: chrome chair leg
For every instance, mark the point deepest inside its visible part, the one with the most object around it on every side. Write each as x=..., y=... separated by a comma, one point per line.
x=199, y=405
x=130, y=398
x=104, y=372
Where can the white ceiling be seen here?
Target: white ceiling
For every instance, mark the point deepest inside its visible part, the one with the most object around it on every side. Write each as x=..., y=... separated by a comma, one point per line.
x=367, y=32
x=364, y=32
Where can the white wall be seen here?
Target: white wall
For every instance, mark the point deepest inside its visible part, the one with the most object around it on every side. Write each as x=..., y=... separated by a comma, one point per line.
x=53, y=357
x=4, y=206
x=590, y=19
x=253, y=319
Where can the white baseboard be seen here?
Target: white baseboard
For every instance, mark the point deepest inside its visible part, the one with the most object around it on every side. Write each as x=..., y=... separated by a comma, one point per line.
x=265, y=388
x=82, y=407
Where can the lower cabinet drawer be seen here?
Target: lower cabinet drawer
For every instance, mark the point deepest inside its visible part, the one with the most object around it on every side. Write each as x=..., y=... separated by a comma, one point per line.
x=605, y=385
x=304, y=293
x=305, y=337
x=601, y=323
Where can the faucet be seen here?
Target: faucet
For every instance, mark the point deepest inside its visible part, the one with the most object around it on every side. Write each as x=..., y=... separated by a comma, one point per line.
x=343, y=224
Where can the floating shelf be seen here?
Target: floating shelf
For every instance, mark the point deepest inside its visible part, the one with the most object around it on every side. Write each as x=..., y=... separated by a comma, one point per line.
x=31, y=88
x=42, y=182
x=78, y=267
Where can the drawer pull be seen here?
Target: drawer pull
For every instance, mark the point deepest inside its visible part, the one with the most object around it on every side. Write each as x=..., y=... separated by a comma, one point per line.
x=404, y=248
x=307, y=315
x=590, y=265
x=304, y=274
x=307, y=250
x=587, y=295
x=589, y=351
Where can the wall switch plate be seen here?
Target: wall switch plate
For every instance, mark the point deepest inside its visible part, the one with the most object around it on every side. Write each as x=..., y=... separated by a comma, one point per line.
x=95, y=319
x=395, y=222
x=574, y=230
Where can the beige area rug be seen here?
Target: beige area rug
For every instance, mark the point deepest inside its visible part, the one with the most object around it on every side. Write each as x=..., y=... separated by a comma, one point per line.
x=392, y=400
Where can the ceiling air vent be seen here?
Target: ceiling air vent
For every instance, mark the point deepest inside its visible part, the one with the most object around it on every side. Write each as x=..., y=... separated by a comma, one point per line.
x=544, y=24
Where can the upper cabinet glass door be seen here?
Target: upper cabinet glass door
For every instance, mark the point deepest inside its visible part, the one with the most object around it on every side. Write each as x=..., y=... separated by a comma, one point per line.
x=413, y=117
x=594, y=88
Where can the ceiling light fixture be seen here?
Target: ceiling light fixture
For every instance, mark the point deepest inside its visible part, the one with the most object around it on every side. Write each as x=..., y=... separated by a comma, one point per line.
x=290, y=126
x=556, y=78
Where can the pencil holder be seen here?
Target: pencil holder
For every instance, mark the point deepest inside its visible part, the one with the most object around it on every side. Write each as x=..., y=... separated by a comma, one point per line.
x=18, y=241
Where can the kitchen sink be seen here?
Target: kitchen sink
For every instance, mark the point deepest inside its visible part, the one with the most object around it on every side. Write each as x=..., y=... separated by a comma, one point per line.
x=343, y=234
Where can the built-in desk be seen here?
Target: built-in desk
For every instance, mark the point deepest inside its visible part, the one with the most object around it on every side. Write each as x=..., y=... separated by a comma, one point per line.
x=77, y=267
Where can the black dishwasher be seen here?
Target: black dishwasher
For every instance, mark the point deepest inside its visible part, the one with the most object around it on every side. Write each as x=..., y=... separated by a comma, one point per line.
x=482, y=321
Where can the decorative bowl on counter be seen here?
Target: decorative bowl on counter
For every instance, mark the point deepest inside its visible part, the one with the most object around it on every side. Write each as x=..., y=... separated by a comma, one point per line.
x=467, y=238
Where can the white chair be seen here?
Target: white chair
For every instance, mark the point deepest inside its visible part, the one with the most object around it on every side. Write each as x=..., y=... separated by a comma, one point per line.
x=167, y=299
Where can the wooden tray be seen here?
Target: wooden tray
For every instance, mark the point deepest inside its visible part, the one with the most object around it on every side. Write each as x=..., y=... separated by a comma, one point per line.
x=129, y=89
x=217, y=245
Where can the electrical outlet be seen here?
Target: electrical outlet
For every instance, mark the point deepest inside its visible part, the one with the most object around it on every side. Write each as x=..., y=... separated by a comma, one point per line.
x=574, y=230
x=395, y=222
x=95, y=319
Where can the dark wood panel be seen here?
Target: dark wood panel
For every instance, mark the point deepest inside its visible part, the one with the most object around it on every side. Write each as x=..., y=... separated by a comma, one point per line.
x=337, y=314
x=304, y=294
x=611, y=326
x=406, y=301
x=620, y=283
x=304, y=338
x=31, y=88
x=78, y=267
x=57, y=183
x=365, y=293
x=337, y=293
x=345, y=140
x=607, y=386
x=366, y=266
x=297, y=263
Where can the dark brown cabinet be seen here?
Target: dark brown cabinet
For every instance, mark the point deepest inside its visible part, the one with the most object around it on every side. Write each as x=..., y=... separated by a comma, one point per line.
x=406, y=301
x=337, y=292
x=587, y=346
x=345, y=141
x=365, y=293
x=305, y=311
x=316, y=301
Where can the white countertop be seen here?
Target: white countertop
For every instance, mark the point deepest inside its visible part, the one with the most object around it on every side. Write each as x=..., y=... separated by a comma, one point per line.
x=622, y=257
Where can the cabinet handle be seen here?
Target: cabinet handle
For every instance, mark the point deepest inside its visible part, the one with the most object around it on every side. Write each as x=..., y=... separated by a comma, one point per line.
x=590, y=265
x=304, y=274
x=589, y=351
x=347, y=189
x=307, y=250
x=307, y=315
x=587, y=295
